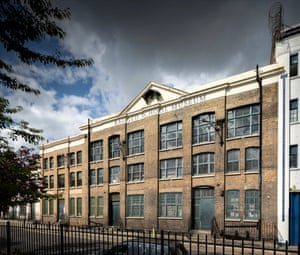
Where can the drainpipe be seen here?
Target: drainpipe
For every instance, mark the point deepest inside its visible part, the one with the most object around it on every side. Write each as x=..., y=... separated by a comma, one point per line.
x=259, y=80
x=88, y=179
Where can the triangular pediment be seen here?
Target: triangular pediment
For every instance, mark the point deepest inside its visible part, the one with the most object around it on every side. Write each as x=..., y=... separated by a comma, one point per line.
x=153, y=93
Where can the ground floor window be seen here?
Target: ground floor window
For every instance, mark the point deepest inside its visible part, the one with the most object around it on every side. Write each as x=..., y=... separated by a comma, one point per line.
x=135, y=205
x=233, y=204
x=252, y=209
x=170, y=204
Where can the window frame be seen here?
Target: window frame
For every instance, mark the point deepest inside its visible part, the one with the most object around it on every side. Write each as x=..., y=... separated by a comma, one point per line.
x=294, y=60
x=241, y=122
x=72, y=158
x=293, y=110
x=114, y=146
x=100, y=205
x=203, y=128
x=210, y=163
x=171, y=133
x=114, y=175
x=169, y=208
x=79, y=157
x=293, y=156
x=45, y=163
x=51, y=182
x=72, y=207
x=79, y=178
x=96, y=150
x=100, y=176
x=72, y=179
x=78, y=206
x=51, y=162
x=135, y=142
x=168, y=170
x=135, y=205
x=92, y=177
x=252, y=164
x=60, y=161
x=233, y=162
x=136, y=172
x=61, y=181
x=233, y=207
x=250, y=195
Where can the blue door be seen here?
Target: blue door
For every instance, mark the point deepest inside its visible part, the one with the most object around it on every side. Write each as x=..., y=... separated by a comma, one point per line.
x=114, y=214
x=294, y=218
x=203, y=207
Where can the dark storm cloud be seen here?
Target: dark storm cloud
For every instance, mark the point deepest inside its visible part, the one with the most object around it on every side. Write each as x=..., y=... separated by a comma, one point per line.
x=146, y=39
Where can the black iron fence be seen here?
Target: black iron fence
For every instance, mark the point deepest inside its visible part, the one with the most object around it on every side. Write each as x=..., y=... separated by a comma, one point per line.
x=49, y=239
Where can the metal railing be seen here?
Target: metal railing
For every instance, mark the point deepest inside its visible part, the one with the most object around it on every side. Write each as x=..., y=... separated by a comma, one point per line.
x=49, y=239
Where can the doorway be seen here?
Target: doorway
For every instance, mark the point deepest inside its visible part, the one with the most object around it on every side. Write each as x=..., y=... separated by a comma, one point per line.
x=294, y=218
x=61, y=210
x=114, y=209
x=203, y=208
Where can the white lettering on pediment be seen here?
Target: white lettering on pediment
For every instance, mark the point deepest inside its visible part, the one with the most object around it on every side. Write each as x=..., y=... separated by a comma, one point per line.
x=164, y=109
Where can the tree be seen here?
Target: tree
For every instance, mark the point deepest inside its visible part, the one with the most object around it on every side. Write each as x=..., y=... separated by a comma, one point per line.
x=23, y=23
x=19, y=178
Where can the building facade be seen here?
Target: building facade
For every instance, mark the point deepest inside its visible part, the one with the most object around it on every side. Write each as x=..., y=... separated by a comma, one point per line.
x=287, y=54
x=175, y=160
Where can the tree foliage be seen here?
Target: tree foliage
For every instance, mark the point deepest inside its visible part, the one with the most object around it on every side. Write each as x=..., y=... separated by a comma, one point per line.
x=23, y=23
x=19, y=178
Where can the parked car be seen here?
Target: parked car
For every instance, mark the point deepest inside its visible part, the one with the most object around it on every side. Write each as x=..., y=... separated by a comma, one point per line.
x=147, y=247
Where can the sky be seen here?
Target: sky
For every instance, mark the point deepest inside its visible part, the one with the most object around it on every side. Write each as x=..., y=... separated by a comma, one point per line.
x=181, y=43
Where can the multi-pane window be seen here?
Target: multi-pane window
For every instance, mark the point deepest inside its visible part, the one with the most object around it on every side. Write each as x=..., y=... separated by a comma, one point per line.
x=294, y=110
x=72, y=207
x=293, y=156
x=51, y=182
x=252, y=159
x=79, y=178
x=99, y=206
x=96, y=150
x=171, y=135
x=136, y=142
x=60, y=160
x=45, y=207
x=92, y=206
x=233, y=161
x=46, y=182
x=233, y=204
x=51, y=162
x=293, y=65
x=93, y=177
x=114, y=146
x=136, y=172
x=72, y=179
x=135, y=206
x=79, y=206
x=203, y=128
x=45, y=163
x=51, y=206
x=61, y=181
x=72, y=159
x=114, y=174
x=252, y=204
x=99, y=176
x=170, y=204
x=79, y=157
x=243, y=121
x=204, y=163
x=171, y=168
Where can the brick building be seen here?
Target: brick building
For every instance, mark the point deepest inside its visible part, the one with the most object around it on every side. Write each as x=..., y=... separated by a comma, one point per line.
x=173, y=160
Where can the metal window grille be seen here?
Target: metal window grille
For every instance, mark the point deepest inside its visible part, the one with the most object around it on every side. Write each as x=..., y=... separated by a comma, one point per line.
x=233, y=204
x=252, y=204
x=171, y=204
x=135, y=206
